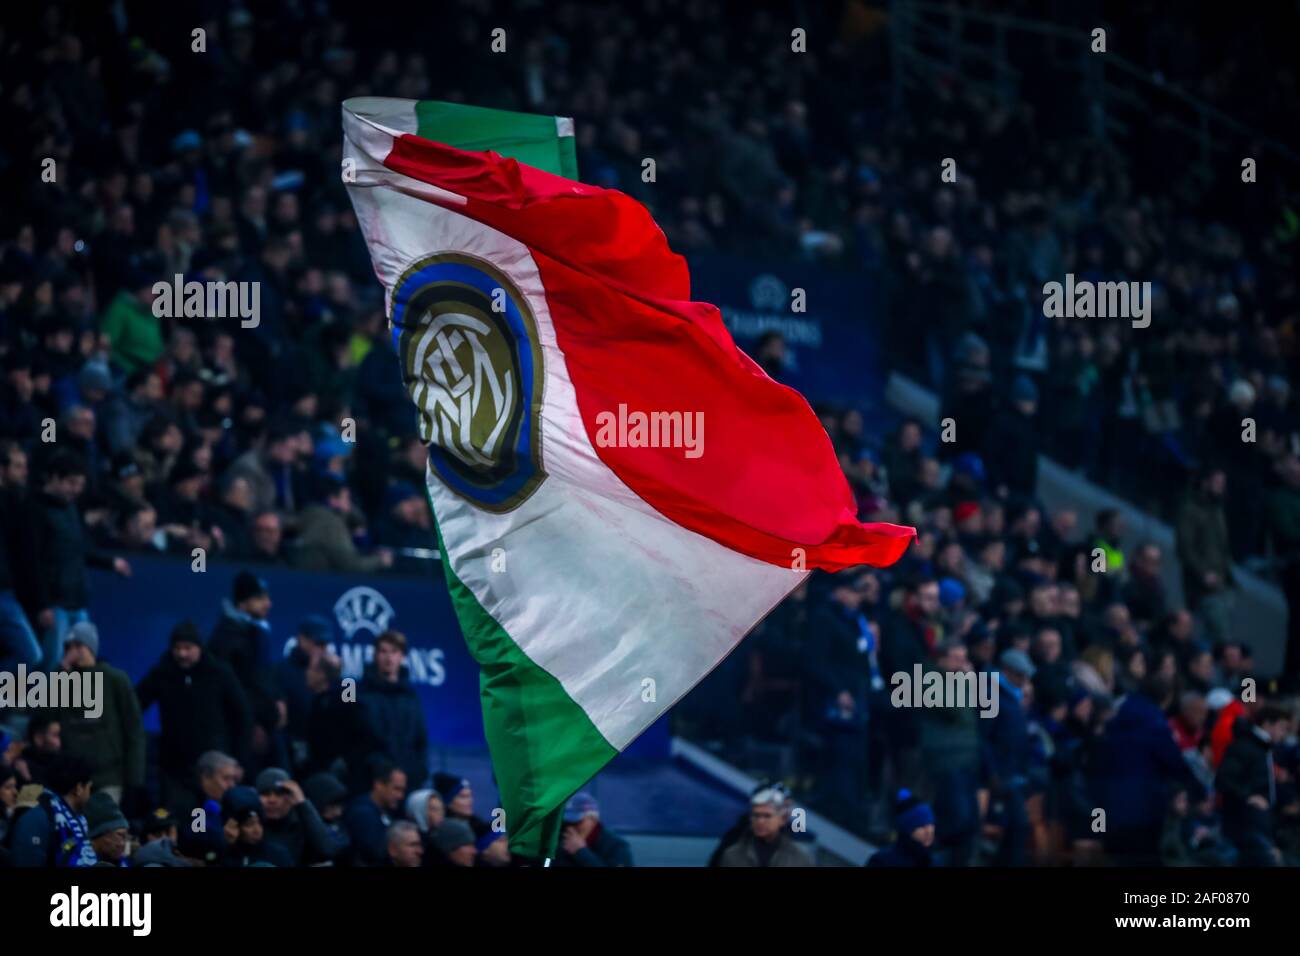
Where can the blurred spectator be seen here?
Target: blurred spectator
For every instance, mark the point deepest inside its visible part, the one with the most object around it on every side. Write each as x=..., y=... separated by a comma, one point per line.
x=18, y=642
x=201, y=707
x=456, y=844
x=54, y=831
x=43, y=746
x=767, y=842
x=314, y=635
x=458, y=797
x=62, y=554
x=8, y=800
x=324, y=541
x=327, y=794
x=585, y=840
x=291, y=821
x=370, y=814
x=1284, y=525
x=108, y=830
x=269, y=470
x=914, y=824
x=338, y=731
x=1145, y=591
x=1011, y=445
x=1009, y=754
x=1204, y=551
x=1247, y=780
x=242, y=640
x=405, y=849
x=245, y=836
x=425, y=809
x=393, y=708
x=112, y=740
x=951, y=757
x=1139, y=759
x=407, y=522
x=266, y=537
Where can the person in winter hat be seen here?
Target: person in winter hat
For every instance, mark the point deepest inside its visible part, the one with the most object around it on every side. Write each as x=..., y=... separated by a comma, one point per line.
x=914, y=826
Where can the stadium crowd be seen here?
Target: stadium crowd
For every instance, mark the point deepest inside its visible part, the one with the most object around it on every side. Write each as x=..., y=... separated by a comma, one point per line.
x=237, y=734
x=1123, y=729
x=125, y=433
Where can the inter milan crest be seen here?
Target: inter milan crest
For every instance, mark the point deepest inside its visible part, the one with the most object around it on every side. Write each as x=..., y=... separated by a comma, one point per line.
x=472, y=364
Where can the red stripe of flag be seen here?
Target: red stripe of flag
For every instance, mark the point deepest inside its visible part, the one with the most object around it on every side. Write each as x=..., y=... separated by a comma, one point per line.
x=768, y=482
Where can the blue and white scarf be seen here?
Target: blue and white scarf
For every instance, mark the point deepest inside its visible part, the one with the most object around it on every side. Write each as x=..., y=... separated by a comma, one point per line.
x=73, y=842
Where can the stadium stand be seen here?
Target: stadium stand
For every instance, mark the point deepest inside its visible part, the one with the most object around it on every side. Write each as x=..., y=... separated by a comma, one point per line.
x=1116, y=689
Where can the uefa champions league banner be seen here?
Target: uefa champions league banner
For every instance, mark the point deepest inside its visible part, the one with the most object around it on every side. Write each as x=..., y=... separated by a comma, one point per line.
x=135, y=615
x=830, y=320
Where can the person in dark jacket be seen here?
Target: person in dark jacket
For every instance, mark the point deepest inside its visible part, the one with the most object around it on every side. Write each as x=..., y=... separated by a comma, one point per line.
x=327, y=794
x=1011, y=443
x=18, y=642
x=216, y=773
x=742, y=824
x=314, y=636
x=54, y=832
x=456, y=845
x=241, y=639
x=112, y=740
x=61, y=554
x=369, y=815
x=405, y=848
x=201, y=707
x=246, y=843
x=337, y=729
x=950, y=757
x=1137, y=761
x=393, y=708
x=108, y=829
x=290, y=820
x=1145, y=592
x=1009, y=751
x=914, y=829
x=1283, y=522
x=1249, y=787
x=585, y=841
x=43, y=744
x=20, y=417
x=325, y=541
x=458, y=797
x=8, y=799
x=833, y=658
x=909, y=638
x=406, y=523
x=767, y=842
x=1205, y=552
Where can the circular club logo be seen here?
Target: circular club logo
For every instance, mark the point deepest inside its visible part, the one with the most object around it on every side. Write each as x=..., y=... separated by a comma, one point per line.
x=472, y=364
x=363, y=609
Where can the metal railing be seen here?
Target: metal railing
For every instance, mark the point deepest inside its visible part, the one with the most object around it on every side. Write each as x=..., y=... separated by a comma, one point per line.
x=930, y=40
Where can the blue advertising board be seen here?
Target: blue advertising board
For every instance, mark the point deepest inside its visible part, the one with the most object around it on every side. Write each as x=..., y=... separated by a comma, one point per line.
x=135, y=615
x=832, y=345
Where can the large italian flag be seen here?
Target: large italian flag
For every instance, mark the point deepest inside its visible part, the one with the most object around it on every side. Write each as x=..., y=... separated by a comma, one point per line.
x=621, y=493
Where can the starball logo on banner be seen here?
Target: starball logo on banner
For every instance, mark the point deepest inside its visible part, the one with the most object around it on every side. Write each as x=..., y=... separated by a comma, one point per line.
x=362, y=614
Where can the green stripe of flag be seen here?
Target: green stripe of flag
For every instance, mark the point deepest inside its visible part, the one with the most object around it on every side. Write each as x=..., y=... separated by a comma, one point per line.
x=545, y=142
x=544, y=746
